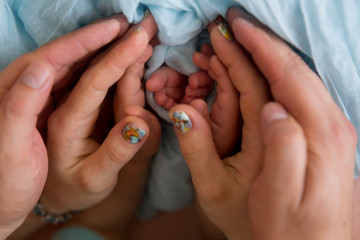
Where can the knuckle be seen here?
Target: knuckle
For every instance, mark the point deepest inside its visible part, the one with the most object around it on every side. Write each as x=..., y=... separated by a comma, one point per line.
x=87, y=183
x=213, y=194
x=295, y=63
x=114, y=68
x=96, y=84
x=16, y=108
x=54, y=121
x=192, y=151
x=343, y=134
x=99, y=79
x=293, y=66
x=286, y=135
x=57, y=126
x=116, y=154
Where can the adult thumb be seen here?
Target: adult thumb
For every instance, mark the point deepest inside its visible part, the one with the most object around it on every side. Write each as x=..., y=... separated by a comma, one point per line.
x=198, y=148
x=122, y=143
x=283, y=175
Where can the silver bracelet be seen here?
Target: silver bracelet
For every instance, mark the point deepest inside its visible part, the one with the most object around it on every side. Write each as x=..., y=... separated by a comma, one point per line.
x=46, y=216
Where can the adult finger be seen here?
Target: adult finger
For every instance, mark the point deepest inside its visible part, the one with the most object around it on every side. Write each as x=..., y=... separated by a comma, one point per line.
x=24, y=101
x=292, y=83
x=78, y=113
x=99, y=170
x=244, y=74
x=330, y=136
x=282, y=179
x=225, y=114
x=67, y=49
x=150, y=147
x=196, y=143
x=23, y=154
x=129, y=89
x=96, y=81
x=252, y=88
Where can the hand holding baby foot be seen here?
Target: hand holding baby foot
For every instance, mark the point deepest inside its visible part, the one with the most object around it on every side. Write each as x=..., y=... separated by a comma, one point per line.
x=297, y=182
x=304, y=189
x=222, y=185
x=130, y=90
x=25, y=88
x=126, y=197
x=81, y=171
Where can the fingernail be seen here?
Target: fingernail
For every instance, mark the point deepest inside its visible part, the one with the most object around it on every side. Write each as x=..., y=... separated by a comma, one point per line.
x=132, y=134
x=225, y=30
x=181, y=121
x=146, y=13
x=118, y=16
x=273, y=112
x=35, y=75
x=245, y=17
x=240, y=12
x=139, y=29
x=200, y=106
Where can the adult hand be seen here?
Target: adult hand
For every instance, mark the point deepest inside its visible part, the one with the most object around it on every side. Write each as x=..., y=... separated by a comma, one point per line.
x=25, y=86
x=304, y=190
x=223, y=185
x=293, y=176
x=81, y=171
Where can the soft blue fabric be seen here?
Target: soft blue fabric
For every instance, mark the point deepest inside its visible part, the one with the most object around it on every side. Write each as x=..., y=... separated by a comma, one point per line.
x=169, y=186
x=325, y=30
x=76, y=233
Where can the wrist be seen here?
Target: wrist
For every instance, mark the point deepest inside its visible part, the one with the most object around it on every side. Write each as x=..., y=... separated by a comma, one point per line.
x=56, y=202
x=31, y=225
x=7, y=229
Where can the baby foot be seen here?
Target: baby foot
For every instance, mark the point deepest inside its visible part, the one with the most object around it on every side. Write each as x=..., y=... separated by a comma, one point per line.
x=168, y=86
x=200, y=85
x=171, y=88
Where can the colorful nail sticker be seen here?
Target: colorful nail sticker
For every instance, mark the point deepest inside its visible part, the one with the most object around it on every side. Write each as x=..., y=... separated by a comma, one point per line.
x=132, y=134
x=139, y=29
x=181, y=121
x=146, y=13
x=225, y=30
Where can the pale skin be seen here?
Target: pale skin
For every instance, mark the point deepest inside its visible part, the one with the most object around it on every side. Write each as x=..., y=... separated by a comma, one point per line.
x=282, y=135
x=114, y=216
x=171, y=87
x=132, y=171
x=111, y=221
x=296, y=183
x=22, y=103
x=70, y=125
x=223, y=124
x=79, y=166
x=278, y=129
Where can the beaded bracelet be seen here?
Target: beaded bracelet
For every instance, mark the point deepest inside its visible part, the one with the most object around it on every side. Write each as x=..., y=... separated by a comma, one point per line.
x=48, y=217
